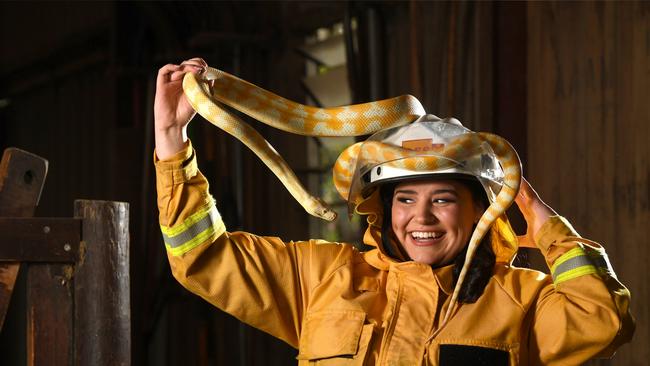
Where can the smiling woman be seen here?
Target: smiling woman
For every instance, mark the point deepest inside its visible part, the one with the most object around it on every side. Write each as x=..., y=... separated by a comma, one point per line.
x=437, y=231
x=437, y=287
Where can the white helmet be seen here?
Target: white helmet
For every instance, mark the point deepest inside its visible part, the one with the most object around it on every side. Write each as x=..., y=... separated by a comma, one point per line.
x=425, y=148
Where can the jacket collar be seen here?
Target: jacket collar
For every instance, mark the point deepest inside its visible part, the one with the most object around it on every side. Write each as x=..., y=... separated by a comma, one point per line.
x=380, y=260
x=445, y=278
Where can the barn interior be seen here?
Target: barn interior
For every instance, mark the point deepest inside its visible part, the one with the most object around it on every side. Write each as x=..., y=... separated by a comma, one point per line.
x=567, y=83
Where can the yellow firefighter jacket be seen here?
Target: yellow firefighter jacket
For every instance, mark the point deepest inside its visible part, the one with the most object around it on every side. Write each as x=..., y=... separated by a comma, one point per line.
x=339, y=306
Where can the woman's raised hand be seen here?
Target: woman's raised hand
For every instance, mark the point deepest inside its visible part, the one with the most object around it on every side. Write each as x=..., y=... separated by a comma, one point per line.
x=534, y=210
x=172, y=111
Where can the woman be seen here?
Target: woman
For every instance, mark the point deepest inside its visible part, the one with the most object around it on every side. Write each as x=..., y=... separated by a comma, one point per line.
x=339, y=306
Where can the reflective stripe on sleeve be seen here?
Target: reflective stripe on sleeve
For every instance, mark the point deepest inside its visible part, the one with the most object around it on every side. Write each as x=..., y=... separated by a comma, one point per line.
x=196, y=229
x=574, y=263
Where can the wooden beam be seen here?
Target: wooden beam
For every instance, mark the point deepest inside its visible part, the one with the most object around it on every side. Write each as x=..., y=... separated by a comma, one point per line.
x=22, y=176
x=39, y=239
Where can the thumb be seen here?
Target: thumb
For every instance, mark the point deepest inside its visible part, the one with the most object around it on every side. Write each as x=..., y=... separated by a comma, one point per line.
x=525, y=241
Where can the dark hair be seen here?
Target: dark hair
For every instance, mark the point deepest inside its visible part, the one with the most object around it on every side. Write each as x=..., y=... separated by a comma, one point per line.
x=479, y=272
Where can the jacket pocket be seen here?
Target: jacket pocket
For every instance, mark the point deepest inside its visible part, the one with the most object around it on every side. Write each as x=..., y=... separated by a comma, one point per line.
x=459, y=355
x=334, y=338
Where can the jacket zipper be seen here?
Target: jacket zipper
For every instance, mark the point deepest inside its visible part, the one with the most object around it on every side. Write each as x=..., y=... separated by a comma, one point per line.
x=391, y=324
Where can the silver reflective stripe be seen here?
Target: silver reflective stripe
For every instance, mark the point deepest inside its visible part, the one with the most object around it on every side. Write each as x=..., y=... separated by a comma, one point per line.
x=570, y=264
x=191, y=232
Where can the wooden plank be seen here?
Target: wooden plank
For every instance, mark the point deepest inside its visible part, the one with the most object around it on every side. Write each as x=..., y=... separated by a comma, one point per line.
x=22, y=176
x=8, y=275
x=49, y=314
x=101, y=287
x=628, y=53
x=588, y=134
x=39, y=239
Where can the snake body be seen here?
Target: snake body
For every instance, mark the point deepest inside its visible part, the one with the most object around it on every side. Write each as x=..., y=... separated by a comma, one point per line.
x=354, y=120
x=269, y=108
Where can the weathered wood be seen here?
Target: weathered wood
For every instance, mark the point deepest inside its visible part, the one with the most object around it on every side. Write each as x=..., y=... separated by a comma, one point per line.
x=588, y=134
x=8, y=275
x=22, y=176
x=39, y=239
x=101, y=285
x=49, y=315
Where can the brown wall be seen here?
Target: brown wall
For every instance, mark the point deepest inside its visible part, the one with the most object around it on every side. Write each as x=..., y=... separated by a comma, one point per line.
x=588, y=135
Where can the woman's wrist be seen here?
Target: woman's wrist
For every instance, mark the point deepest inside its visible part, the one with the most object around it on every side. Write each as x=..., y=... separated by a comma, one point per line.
x=542, y=213
x=170, y=141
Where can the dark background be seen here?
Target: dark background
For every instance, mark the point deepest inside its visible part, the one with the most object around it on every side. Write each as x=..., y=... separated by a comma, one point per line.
x=566, y=83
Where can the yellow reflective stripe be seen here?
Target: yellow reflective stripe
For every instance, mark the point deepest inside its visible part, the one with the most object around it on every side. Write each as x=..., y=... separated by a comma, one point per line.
x=189, y=221
x=576, y=272
x=208, y=234
x=198, y=228
x=572, y=264
x=575, y=252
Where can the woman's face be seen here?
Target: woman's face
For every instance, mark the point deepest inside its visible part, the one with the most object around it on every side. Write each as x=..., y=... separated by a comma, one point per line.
x=433, y=219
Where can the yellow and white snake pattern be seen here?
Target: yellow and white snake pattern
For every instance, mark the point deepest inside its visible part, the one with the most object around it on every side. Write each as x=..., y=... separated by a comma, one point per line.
x=353, y=120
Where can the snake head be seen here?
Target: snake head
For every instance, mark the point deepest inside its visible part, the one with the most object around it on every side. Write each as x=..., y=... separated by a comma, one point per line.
x=328, y=215
x=321, y=210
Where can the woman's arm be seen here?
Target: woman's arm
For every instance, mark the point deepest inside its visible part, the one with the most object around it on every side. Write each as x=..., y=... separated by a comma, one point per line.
x=260, y=280
x=584, y=313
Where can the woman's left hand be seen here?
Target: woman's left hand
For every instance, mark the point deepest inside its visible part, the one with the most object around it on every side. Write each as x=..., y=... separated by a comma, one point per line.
x=534, y=210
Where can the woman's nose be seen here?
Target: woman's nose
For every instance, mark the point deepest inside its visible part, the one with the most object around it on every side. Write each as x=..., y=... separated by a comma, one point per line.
x=424, y=213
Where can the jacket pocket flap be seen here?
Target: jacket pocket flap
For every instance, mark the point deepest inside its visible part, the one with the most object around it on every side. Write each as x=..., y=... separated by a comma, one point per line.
x=328, y=334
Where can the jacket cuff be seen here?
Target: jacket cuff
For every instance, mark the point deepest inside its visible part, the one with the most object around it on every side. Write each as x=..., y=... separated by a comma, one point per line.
x=556, y=227
x=177, y=169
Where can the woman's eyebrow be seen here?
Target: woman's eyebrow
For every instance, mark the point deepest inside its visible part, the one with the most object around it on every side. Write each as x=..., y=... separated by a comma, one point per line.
x=437, y=191
x=405, y=191
x=446, y=190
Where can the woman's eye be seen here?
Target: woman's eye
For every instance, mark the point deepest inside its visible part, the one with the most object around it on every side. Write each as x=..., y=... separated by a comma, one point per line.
x=442, y=200
x=405, y=200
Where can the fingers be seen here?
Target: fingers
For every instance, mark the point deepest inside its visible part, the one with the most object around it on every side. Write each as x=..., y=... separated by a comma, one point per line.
x=196, y=61
x=194, y=65
x=178, y=74
x=524, y=189
x=522, y=197
x=165, y=72
x=172, y=72
x=526, y=193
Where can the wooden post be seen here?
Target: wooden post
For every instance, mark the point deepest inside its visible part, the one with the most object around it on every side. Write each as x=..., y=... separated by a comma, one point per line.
x=49, y=314
x=101, y=286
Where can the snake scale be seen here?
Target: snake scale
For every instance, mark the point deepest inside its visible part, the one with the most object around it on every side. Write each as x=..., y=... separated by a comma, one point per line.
x=214, y=89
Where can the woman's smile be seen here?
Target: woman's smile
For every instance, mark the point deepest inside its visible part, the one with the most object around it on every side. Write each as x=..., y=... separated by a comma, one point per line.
x=426, y=238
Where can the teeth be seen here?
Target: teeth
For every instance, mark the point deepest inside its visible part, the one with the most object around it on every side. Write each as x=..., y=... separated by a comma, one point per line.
x=425, y=234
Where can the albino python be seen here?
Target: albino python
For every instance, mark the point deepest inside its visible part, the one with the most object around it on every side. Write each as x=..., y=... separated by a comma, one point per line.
x=214, y=88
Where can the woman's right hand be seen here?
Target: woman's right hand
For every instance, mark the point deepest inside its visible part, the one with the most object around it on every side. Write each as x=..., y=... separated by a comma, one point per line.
x=534, y=210
x=172, y=110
